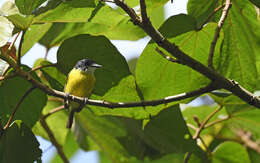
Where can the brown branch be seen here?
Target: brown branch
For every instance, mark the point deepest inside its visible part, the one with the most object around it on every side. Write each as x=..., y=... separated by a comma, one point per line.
x=166, y=56
x=57, y=109
x=187, y=157
x=17, y=106
x=12, y=45
x=172, y=49
x=54, y=141
x=43, y=66
x=246, y=139
x=217, y=31
x=202, y=124
x=20, y=48
x=210, y=15
x=8, y=76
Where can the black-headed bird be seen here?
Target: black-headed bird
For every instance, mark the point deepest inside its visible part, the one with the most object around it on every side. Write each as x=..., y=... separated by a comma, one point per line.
x=80, y=82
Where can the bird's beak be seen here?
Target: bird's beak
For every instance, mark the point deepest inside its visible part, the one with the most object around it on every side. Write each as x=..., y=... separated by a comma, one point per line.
x=96, y=65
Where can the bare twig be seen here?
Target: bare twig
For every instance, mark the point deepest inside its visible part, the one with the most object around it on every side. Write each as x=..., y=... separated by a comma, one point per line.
x=57, y=109
x=216, y=122
x=202, y=124
x=43, y=66
x=20, y=48
x=166, y=56
x=246, y=139
x=54, y=141
x=8, y=76
x=210, y=15
x=17, y=106
x=216, y=36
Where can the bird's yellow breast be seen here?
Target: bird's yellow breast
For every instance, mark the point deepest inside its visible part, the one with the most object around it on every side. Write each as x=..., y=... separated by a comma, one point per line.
x=80, y=83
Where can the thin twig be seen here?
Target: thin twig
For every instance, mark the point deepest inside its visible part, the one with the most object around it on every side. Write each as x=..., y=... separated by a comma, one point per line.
x=210, y=15
x=54, y=141
x=202, y=124
x=57, y=109
x=43, y=66
x=192, y=126
x=166, y=56
x=143, y=11
x=20, y=48
x=17, y=106
x=216, y=36
x=246, y=139
x=216, y=122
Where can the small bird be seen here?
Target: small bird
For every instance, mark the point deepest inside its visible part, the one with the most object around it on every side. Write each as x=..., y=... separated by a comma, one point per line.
x=80, y=82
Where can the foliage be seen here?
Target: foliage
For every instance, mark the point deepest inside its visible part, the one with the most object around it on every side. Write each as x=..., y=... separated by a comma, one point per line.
x=163, y=133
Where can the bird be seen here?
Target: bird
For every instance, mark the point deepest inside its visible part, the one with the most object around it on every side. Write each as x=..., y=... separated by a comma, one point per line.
x=80, y=82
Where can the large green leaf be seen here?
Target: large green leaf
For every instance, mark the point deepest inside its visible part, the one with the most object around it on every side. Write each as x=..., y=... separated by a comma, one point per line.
x=99, y=49
x=201, y=9
x=56, y=122
x=157, y=77
x=18, y=144
x=51, y=75
x=230, y=152
x=68, y=11
x=27, y=6
x=168, y=133
x=239, y=51
x=125, y=91
x=21, y=22
x=33, y=35
x=11, y=91
x=106, y=131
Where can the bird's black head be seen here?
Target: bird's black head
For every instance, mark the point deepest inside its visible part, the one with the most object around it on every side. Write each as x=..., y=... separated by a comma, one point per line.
x=85, y=64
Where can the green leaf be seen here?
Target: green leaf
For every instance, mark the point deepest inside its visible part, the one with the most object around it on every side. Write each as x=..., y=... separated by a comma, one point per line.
x=230, y=152
x=18, y=144
x=99, y=49
x=254, y=156
x=68, y=11
x=20, y=21
x=159, y=78
x=255, y=2
x=51, y=75
x=106, y=131
x=56, y=122
x=125, y=91
x=6, y=29
x=168, y=133
x=201, y=9
x=27, y=6
x=33, y=35
x=239, y=49
x=11, y=91
x=247, y=120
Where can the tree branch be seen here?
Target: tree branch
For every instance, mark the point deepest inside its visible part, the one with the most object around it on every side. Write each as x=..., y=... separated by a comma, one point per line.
x=17, y=106
x=43, y=66
x=20, y=48
x=166, y=56
x=54, y=141
x=216, y=36
x=185, y=59
x=245, y=137
x=57, y=109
